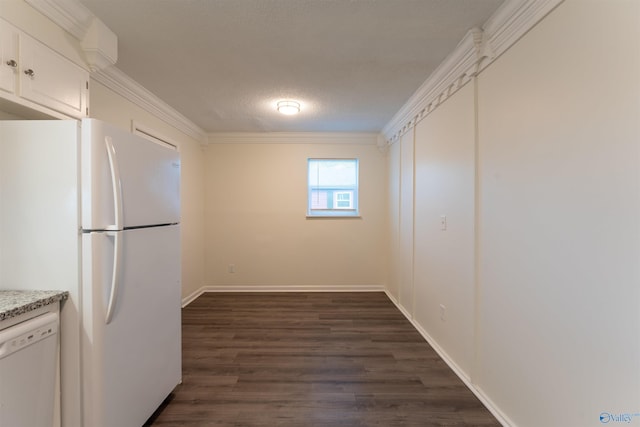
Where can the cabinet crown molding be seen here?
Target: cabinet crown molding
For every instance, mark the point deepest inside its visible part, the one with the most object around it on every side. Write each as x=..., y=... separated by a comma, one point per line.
x=100, y=46
x=99, y=43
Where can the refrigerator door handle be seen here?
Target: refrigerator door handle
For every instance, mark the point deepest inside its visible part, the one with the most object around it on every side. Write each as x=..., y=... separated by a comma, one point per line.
x=115, y=274
x=116, y=185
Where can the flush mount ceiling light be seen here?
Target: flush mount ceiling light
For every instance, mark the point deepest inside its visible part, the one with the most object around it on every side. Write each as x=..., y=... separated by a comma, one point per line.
x=288, y=107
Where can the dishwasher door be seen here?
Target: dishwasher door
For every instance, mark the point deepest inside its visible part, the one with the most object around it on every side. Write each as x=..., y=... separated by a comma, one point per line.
x=28, y=358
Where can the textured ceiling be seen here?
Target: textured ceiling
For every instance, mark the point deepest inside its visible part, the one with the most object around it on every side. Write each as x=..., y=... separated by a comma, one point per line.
x=224, y=63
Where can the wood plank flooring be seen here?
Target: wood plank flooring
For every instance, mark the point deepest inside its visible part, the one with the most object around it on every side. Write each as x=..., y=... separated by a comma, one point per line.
x=311, y=359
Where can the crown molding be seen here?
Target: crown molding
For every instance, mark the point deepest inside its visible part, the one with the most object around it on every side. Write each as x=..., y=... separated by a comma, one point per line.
x=511, y=21
x=478, y=49
x=453, y=73
x=293, y=138
x=129, y=89
x=70, y=15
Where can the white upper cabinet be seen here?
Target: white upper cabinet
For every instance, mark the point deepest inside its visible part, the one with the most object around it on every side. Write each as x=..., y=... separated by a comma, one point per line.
x=33, y=75
x=9, y=58
x=49, y=79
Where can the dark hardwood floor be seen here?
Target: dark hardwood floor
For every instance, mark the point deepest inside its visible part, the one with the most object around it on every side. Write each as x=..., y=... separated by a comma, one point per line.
x=311, y=359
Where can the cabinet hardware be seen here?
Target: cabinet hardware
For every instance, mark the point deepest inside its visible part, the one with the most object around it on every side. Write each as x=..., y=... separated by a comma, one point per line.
x=29, y=72
x=12, y=63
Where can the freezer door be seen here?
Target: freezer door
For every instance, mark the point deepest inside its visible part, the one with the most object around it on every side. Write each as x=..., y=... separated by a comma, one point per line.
x=127, y=181
x=132, y=361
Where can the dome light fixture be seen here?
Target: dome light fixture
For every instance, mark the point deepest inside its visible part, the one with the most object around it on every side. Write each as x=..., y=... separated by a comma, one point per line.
x=288, y=107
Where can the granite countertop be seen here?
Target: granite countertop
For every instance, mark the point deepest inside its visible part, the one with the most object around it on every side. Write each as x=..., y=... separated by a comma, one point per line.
x=14, y=303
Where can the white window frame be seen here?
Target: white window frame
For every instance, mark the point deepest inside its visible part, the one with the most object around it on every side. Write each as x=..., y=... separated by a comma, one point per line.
x=352, y=211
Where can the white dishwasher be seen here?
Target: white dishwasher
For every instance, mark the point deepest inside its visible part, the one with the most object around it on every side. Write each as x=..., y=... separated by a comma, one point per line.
x=28, y=358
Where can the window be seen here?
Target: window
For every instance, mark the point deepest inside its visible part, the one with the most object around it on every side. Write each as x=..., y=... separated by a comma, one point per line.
x=332, y=187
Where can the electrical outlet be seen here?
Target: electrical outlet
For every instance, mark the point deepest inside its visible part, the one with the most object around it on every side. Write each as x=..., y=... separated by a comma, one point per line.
x=443, y=313
x=443, y=222
x=232, y=268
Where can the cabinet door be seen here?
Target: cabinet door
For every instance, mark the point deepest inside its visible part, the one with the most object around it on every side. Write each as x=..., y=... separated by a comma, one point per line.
x=51, y=80
x=8, y=57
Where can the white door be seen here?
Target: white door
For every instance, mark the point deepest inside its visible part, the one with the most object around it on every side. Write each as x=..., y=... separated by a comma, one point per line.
x=133, y=362
x=148, y=173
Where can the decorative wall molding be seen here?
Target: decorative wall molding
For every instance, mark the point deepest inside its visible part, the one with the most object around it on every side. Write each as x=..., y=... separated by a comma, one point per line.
x=382, y=144
x=478, y=49
x=456, y=71
x=293, y=138
x=129, y=89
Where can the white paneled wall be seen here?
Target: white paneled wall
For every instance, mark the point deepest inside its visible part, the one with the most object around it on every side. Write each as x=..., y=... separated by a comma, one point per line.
x=558, y=119
x=405, y=291
x=393, y=173
x=444, y=272
x=536, y=165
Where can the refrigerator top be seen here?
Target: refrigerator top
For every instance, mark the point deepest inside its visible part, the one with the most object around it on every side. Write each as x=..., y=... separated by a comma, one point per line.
x=127, y=181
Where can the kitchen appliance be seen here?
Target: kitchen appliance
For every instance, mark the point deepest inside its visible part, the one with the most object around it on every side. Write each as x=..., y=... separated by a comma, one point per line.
x=28, y=356
x=95, y=210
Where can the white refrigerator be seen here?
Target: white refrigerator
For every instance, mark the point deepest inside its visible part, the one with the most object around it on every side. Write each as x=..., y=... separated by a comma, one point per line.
x=95, y=210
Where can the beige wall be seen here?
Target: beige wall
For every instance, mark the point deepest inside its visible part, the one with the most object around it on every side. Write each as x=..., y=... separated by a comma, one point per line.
x=111, y=107
x=256, y=198
x=536, y=166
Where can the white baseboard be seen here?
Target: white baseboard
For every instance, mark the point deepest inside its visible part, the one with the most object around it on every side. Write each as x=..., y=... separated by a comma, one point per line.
x=282, y=288
x=487, y=402
x=192, y=296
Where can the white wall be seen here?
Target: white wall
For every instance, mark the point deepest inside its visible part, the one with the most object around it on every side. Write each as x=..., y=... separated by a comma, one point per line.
x=39, y=223
x=256, y=200
x=393, y=176
x=111, y=107
x=405, y=288
x=559, y=140
x=536, y=165
x=444, y=259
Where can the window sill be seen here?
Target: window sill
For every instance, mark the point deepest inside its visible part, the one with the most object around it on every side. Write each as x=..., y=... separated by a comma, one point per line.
x=334, y=217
